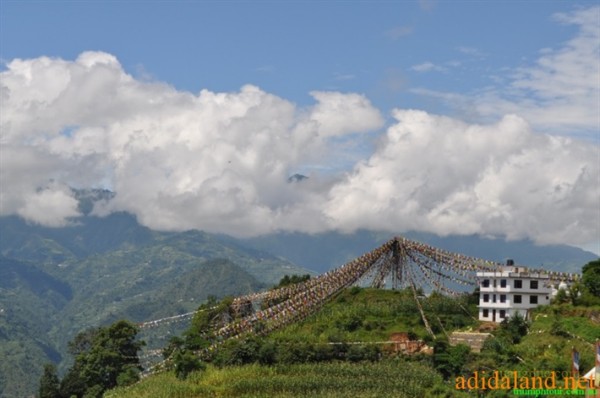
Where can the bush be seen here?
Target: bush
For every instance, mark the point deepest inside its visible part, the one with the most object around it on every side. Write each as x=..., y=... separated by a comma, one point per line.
x=513, y=329
x=449, y=360
x=185, y=363
x=367, y=352
x=267, y=354
x=238, y=352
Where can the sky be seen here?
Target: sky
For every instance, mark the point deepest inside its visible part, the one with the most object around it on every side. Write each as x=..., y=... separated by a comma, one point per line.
x=450, y=117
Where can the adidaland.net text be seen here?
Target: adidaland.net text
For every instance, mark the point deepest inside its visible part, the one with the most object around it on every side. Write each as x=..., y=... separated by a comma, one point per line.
x=502, y=380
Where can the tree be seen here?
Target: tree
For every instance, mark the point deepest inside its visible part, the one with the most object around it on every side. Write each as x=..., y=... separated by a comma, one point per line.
x=574, y=293
x=449, y=360
x=82, y=342
x=49, y=383
x=561, y=297
x=105, y=357
x=591, y=277
x=185, y=363
x=114, y=351
x=72, y=383
x=513, y=329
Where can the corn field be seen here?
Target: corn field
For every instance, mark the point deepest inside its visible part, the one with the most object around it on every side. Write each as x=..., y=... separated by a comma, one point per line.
x=391, y=378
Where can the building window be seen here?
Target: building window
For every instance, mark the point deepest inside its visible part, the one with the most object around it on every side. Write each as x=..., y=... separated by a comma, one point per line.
x=518, y=299
x=518, y=284
x=494, y=283
x=503, y=298
x=485, y=283
x=533, y=284
x=494, y=298
x=533, y=300
x=486, y=298
x=486, y=313
x=502, y=314
x=502, y=282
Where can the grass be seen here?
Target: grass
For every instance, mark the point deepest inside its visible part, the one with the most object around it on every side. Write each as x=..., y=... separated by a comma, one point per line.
x=390, y=378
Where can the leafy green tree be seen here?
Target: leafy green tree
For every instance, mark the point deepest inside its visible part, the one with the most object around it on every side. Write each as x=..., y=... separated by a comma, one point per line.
x=72, y=384
x=561, y=297
x=95, y=391
x=449, y=360
x=513, y=329
x=49, y=383
x=574, y=293
x=82, y=342
x=113, y=352
x=105, y=357
x=591, y=277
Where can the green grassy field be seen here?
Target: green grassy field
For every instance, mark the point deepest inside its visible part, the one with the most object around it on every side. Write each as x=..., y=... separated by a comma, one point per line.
x=390, y=378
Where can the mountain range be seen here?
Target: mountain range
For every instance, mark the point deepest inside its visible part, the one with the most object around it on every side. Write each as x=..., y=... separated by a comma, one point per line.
x=56, y=282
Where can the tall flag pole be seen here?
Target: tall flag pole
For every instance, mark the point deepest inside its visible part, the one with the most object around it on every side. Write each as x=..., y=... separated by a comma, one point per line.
x=597, y=375
x=575, y=362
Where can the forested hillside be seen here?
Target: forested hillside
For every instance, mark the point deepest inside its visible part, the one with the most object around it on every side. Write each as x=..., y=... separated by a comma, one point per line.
x=56, y=282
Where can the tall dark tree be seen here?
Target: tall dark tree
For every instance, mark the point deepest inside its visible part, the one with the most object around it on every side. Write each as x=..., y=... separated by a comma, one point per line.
x=114, y=351
x=104, y=358
x=591, y=277
x=49, y=383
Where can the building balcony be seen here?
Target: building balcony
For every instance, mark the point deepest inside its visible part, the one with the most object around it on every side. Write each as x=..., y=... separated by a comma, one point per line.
x=515, y=290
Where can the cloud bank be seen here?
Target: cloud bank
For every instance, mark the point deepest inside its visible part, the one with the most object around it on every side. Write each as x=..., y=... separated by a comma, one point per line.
x=442, y=175
x=220, y=162
x=213, y=161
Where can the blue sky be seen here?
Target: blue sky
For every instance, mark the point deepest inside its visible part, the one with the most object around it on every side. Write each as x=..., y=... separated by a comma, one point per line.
x=468, y=117
x=291, y=48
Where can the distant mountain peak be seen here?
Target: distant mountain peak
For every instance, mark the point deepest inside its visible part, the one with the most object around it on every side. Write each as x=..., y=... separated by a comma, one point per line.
x=88, y=197
x=297, y=178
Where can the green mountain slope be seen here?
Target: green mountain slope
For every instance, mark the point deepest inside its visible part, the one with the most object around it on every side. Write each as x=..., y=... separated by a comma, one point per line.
x=29, y=298
x=55, y=283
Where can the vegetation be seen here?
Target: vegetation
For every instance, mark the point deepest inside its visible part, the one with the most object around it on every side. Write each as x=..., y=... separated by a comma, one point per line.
x=104, y=358
x=591, y=283
x=292, y=280
x=396, y=378
x=49, y=383
x=56, y=282
x=319, y=356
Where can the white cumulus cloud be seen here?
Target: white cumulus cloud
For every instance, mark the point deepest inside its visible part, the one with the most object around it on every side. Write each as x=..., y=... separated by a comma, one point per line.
x=220, y=162
x=438, y=174
x=177, y=160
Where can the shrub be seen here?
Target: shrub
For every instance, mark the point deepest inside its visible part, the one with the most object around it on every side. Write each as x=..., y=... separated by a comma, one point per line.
x=185, y=363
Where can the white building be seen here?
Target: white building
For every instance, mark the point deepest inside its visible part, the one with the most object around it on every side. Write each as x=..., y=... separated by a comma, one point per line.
x=511, y=290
